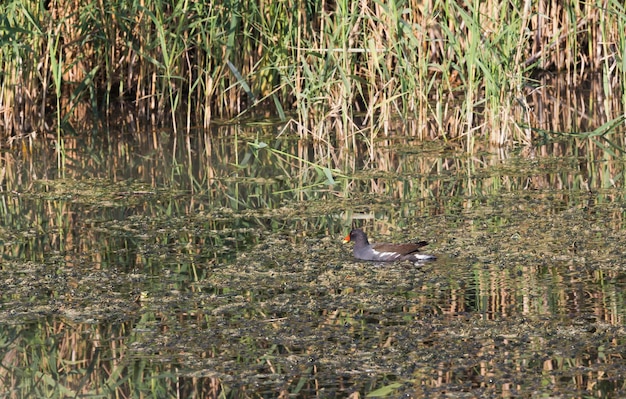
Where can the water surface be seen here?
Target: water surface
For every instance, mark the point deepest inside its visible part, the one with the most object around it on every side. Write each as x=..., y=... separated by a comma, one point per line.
x=216, y=269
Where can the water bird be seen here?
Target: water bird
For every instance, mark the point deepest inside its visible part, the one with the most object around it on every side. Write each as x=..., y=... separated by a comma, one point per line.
x=383, y=252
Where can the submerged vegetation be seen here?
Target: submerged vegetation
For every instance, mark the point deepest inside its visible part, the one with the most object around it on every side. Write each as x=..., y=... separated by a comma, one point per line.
x=335, y=68
x=127, y=279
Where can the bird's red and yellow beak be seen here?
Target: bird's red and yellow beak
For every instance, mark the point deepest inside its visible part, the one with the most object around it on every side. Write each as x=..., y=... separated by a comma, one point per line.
x=346, y=239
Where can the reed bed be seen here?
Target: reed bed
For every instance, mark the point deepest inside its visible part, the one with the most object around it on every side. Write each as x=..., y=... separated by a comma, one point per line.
x=338, y=69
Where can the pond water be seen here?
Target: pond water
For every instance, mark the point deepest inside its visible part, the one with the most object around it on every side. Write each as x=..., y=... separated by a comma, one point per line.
x=215, y=268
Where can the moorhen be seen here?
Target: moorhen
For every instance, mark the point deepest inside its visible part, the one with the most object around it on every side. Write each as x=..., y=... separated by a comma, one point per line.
x=385, y=252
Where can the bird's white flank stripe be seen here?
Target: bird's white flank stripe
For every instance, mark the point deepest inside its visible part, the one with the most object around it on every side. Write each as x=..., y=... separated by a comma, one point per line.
x=395, y=255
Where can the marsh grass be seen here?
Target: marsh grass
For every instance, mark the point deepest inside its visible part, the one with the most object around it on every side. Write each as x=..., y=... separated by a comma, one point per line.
x=459, y=68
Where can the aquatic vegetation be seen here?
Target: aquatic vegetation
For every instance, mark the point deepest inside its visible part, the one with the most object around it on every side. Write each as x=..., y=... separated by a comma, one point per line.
x=147, y=271
x=467, y=70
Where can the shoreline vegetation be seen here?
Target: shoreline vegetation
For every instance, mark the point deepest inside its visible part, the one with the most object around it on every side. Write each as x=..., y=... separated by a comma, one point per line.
x=332, y=69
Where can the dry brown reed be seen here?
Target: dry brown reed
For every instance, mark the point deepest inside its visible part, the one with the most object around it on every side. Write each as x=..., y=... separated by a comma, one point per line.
x=459, y=68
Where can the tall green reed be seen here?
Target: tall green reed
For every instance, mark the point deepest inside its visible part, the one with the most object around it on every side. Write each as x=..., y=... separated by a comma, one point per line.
x=340, y=70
